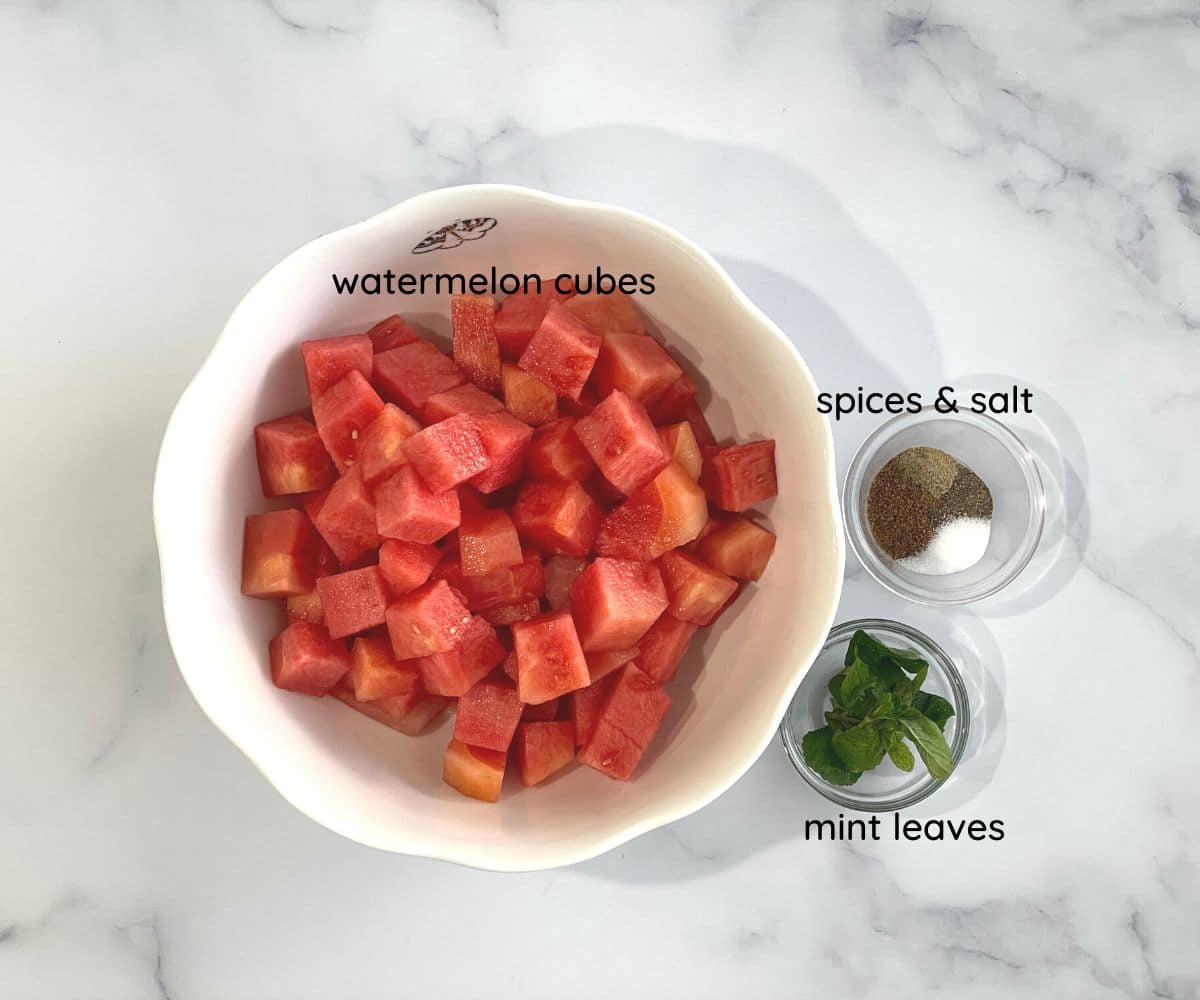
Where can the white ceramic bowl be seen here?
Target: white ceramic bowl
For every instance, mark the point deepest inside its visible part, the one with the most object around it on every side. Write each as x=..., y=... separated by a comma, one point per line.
x=376, y=786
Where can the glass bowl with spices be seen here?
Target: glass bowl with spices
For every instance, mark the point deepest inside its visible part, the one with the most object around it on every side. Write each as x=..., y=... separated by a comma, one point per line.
x=944, y=508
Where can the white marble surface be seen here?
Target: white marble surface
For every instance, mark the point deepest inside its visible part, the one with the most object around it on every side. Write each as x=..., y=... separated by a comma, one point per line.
x=956, y=191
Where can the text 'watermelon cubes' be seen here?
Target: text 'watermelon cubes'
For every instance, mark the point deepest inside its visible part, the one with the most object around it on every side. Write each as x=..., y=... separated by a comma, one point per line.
x=406, y=509
x=455, y=671
x=447, y=453
x=697, y=592
x=476, y=350
x=473, y=771
x=343, y=413
x=461, y=399
x=353, y=601
x=605, y=314
x=615, y=601
x=621, y=440
x=304, y=659
x=375, y=673
x=328, y=361
x=406, y=565
x=542, y=748
x=663, y=646
x=549, y=659
x=556, y=453
x=280, y=554
x=741, y=475
x=429, y=620
x=388, y=334
x=637, y=365
x=409, y=375
x=527, y=398
x=669, y=511
x=737, y=547
x=487, y=714
x=505, y=440
x=291, y=457
x=561, y=352
x=381, y=449
x=557, y=517
x=626, y=725
x=487, y=541
x=346, y=520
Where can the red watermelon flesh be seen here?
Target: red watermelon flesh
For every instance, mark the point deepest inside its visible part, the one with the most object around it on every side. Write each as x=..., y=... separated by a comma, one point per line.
x=512, y=613
x=547, y=711
x=542, y=748
x=605, y=314
x=429, y=620
x=615, y=601
x=556, y=453
x=738, y=547
x=739, y=476
x=621, y=440
x=291, y=457
x=521, y=314
x=505, y=440
x=600, y=665
x=447, y=453
x=404, y=713
x=561, y=572
x=488, y=713
x=474, y=771
x=561, y=352
x=305, y=608
x=375, y=673
x=558, y=517
x=409, y=375
x=680, y=442
x=666, y=513
x=353, y=601
x=637, y=365
x=487, y=541
x=328, y=361
x=281, y=554
x=499, y=588
x=305, y=659
x=527, y=398
x=626, y=725
x=476, y=350
x=346, y=520
x=461, y=399
x=390, y=333
x=457, y=670
x=697, y=592
x=381, y=449
x=406, y=565
x=549, y=659
x=408, y=510
x=663, y=646
x=673, y=404
x=584, y=705
x=343, y=413
x=695, y=416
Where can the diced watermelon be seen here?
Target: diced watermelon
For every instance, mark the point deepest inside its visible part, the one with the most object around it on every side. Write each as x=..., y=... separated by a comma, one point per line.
x=561, y=572
x=738, y=547
x=581, y=407
x=401, y=713
x=487, y=714
x=476, y=350
x=375, y=673
x=695, y=416
x=615, y=601
x=584, y=706
x=328, y=361
x=343, y=412
x=487, y=541
x=521, y=314
x=428, y=710
x=381, y=449
x=637, y=365
x=605, y=314
x=542, y=748
x=509, y=666
x=447, y=453
x=547, y=711
x=697, y=592
x=506, y=440
x=429, y=620
x=626, y=725
x=600, y=665
x=408, y=510
x=291, y=457
x=663, y=647
x=305, y=608
x=602, y=491
x=680, y=442
x=388, y=334
x=353, y=601
x=346, y=520
x=561, y=352
x=556, y=453
x=313, y=502
x=558, y=517
x=549, y=659
x=473, y=771
x=406, y=565
x=409, y=375
x=457, y=670
x=280, y=554
x=527, y=398
x=672, y=405
x=739, y=476
x=465, y=398
x=621, y=440
x=666, y=513
x=305, y=659
x=499, y=588
x=512, y=613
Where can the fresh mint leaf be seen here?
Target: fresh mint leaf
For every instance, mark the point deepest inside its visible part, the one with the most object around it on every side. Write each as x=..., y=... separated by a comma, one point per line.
x=930, y=743
x=817, y=748
x=934, y=707
x=857, y=679
x=884, y=707
x=912, y=687
x=899, y=753
x=860, y=747
x=873, y=652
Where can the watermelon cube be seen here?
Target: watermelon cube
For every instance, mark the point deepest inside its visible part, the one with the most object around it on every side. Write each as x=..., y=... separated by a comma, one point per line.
x=666, y=513
x=404, y=713
x=498, y=589
x=584, y=706
x=509, y=666
x=561, y=352
x=527, y=398
x=547, y=711
x=343, y=412
x=306, y=660
x=281, y=554
x=605, y=314
x=637, y=365
x=697, y=592
x=487, y=714
x=520, y=315
x=581, y=407
x=621, y=440
x=556, y=453
x=737, y=547
x=506, y=440
x=353, y=601
x=615, y=601
x=626, y=725
x=431, y=619
x=474, y=771
x=409, y=375
x=455, y=671
x=346, y=520
x=672, y=405
x=406, y=565
x=388, y=334
x=406, y=509
x=487, y=541
x=447, y=453
x=740, y=475
x=461, y=399
x=542, y=748
x=512, y=613
x=305, y=608
x=695, y=416
x=328, y=361
x=381, y=449
x=681, y=445
x=476, y=350
x=375, y=673
x=429, y=710
x=561, y=572
x=549, y=659
x=663, y=646
x=291, y=457
x=558, y=517
x=600, y=665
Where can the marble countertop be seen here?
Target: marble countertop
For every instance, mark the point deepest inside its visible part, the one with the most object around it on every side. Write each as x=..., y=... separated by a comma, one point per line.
x=952, y=192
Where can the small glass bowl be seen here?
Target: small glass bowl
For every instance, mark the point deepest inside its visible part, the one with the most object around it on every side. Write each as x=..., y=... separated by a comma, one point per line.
x=998, y=457
x=886, y=788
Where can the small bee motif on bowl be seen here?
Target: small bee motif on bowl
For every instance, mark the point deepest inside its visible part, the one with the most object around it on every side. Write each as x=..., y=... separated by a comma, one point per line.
x=453, y=235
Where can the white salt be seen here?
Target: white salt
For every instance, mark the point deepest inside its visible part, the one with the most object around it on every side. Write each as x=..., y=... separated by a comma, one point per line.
x=957, y=545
